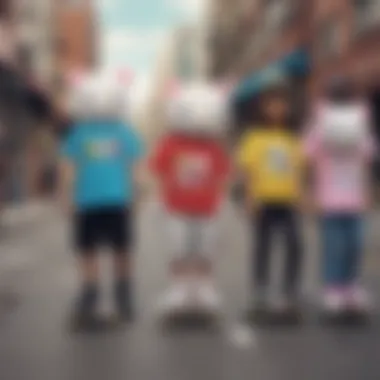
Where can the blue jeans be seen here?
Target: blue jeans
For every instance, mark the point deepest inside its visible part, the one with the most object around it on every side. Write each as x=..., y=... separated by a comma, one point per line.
x=342, y=246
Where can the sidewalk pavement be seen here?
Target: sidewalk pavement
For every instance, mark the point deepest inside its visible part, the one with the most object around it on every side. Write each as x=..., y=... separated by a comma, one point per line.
x=27, y=213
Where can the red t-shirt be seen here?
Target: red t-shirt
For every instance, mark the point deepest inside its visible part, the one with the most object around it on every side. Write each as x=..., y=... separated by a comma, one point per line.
x=191, y=171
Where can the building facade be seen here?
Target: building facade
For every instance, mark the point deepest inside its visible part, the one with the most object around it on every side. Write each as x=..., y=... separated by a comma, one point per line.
x=42, y=40
x=36, y=39
x=230, y=35
x=34, y=50
x=339, y=37
x=346, y=40
x=259, y=34
x=76, y=39
x=184, y=57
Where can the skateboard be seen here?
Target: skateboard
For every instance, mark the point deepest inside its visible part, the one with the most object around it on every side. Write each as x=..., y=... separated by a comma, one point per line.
x=96, y=323
x=191, y=316
x=266, y=316
x=348, y=318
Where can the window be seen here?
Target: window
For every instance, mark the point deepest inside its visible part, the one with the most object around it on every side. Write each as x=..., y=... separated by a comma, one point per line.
x=328, y=43
x=366, y=15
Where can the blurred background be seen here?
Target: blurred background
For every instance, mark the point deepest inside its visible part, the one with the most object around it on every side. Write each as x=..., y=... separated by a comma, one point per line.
x=244, y=44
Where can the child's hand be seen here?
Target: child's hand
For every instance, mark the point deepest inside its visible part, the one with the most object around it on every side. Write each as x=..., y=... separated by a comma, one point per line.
x=67, y=206
x=249, y=205
x=307, y=206
x=139, y=200
x=142, y=195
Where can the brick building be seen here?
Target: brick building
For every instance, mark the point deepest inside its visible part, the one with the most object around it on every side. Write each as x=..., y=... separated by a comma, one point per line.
x=23, y=103
x=36, y=40
x=346, y=39
x=263, y=38
x=76, y=38
x=231, y=28
x=282, y=26
x=340, y=36
x=40, y=42
x=249, y=34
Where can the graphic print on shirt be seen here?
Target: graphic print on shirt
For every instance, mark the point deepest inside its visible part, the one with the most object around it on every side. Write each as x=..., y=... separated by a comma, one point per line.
x=193, y=169
x=278, y=160
x=102, y=149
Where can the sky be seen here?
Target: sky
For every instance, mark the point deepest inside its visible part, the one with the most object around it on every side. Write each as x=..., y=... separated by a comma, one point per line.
x=133, y=31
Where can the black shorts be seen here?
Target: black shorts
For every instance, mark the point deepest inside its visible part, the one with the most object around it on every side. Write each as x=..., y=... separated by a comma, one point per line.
x=111, y=226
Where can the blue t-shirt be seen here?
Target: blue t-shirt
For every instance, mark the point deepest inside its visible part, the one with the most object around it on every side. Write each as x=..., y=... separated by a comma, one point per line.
x=104, y=154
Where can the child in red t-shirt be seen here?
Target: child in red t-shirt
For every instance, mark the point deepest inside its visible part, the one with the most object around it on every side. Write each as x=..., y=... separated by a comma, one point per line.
x=192, y=167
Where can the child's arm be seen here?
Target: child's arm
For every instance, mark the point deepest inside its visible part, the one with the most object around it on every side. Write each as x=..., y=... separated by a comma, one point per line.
x=307, y=196
x=370, y=154
x=67, y=171
x=135, y=151
x=246, y=171
x=160, y=161
x=309, y=150
x=248, y=196
x=66, y=174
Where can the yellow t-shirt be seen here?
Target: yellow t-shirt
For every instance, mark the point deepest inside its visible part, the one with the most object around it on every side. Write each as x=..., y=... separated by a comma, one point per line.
x=272, y=161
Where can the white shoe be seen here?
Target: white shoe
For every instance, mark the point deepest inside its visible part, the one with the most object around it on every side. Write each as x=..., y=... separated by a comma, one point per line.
x=359, y=299
x=174, y=299
x=209, y=298
x=334, y=301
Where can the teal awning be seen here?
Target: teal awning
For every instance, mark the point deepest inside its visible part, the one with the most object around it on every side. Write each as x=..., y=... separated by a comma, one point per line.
x=296, y=62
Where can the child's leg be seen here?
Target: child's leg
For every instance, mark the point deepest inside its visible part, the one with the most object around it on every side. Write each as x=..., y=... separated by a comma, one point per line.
x=354, y=248
x=205, y=238
x=89, y=272
x=179, y=235
x=293, y=258
x=265, y=221
x=357, y=296
x=118, y=228
x=86, y=236
x=180, y=269
x=331, y=234
x=333, y=262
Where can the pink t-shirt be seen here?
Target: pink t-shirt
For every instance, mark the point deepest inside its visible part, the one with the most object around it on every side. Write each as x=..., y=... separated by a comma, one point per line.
x=340, y=181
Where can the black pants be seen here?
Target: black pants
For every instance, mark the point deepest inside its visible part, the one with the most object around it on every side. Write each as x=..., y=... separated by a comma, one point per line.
x=270, y=220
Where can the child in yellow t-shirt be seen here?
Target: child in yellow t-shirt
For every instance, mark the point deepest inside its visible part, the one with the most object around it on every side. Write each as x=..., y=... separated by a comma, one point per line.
x=271, y=161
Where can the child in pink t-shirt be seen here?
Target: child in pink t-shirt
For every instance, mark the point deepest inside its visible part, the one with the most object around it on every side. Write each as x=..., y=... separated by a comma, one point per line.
x=340, y=147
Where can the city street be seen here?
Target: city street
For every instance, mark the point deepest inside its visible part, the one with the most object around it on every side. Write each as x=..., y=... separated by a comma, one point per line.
x=38, y=269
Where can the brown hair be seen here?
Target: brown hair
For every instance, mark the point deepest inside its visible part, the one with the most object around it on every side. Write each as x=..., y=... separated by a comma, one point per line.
x=282, y=92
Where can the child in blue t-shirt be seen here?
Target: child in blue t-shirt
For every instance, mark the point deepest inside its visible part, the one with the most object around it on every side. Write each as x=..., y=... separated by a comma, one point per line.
x=99, y=159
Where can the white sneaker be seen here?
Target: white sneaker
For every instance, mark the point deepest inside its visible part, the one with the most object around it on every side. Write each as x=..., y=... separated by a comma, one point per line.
x=334, y=301
x=209, y=297
x=359, y=299
x=175, y=298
